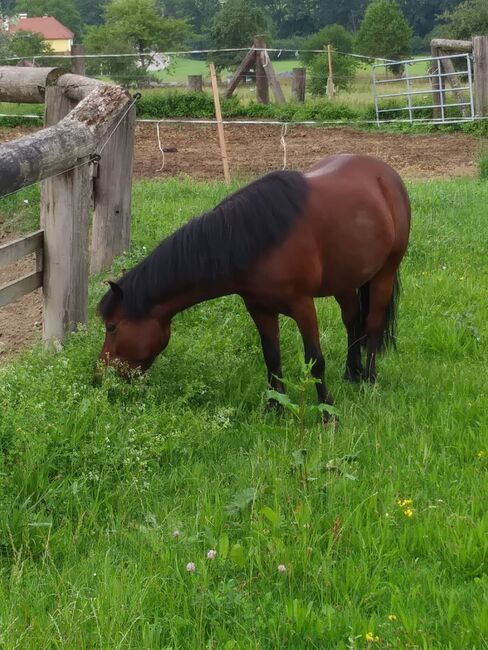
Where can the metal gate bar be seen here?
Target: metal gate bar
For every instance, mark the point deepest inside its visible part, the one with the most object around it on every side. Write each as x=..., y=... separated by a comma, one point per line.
x=441, y=91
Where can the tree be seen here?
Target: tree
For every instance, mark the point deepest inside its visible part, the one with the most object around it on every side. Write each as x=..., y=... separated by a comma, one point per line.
x=422, y=14
x=133, y=27
x=91, y=11
x=23, y=44
x=64, y=10
x=336, y=35
x=384, y=32
x=468, y=19
x=28, y=44
x=344, y=66
x=235, y=25
x=201, y=13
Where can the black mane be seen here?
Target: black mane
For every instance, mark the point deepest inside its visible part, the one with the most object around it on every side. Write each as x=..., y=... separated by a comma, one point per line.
x=217, y=245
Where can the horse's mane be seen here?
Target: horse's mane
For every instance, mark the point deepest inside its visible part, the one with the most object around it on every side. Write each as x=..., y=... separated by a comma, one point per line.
x=217, y=245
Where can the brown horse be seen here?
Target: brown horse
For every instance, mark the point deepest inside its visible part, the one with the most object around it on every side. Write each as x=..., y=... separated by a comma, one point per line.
x=340, y=230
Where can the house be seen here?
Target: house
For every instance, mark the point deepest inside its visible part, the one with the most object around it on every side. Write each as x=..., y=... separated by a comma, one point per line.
x=59, y=37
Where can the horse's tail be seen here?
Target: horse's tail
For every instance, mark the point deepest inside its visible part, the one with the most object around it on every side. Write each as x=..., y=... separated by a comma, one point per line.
x=388, y=340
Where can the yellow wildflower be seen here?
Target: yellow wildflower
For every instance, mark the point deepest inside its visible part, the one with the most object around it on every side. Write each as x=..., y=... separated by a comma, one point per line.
x=371, y=638
x=408, y=512
x=392, y=617
x=404, y=503
x=482, y=454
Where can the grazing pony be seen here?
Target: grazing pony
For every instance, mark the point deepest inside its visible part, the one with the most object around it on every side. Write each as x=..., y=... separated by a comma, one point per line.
x=339, y=230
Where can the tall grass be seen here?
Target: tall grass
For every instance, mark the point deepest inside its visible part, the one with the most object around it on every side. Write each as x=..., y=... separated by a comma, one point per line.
x=106, y=494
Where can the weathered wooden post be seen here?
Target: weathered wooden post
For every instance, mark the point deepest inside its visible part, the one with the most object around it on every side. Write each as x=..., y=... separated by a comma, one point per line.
x=262, y=85
x=480, y=63
x=330, y=77
x=298, y=84
x=195, y=83
x=78, y=63
x=60, y=155
x=436, y=91
x=220, y=125
x=112, y=196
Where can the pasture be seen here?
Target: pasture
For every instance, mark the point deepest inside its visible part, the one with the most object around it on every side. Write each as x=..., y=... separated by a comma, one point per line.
x=373, y=533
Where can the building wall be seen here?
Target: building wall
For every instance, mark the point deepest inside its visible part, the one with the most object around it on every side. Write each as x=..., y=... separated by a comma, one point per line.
x=59, y=45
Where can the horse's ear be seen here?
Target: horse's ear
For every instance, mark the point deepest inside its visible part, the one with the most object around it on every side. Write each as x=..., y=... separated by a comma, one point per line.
x=117, y=291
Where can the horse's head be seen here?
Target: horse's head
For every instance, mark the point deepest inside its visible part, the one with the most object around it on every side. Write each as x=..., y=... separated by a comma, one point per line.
x=131, y=344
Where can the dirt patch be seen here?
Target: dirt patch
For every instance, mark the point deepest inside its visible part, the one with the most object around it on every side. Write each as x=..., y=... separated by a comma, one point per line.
x=252, y=150
x=21, y=321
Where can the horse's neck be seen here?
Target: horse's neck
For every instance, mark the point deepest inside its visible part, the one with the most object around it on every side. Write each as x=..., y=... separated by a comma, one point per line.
x=193, y=295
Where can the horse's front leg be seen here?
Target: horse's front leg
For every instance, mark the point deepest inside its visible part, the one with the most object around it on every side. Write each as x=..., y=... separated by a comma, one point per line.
x=304, y=314
x=269, y=331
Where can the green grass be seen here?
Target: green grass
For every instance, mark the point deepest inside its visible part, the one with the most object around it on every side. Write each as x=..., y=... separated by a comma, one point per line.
x=93, y=481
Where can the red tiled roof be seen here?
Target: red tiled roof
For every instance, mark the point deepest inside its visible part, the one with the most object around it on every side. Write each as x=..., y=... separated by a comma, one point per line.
x=47, y=26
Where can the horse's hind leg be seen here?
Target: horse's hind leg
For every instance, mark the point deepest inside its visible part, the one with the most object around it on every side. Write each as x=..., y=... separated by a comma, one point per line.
x=269, y=331
x=305, y=316
x=380, y=295
x=349, y=304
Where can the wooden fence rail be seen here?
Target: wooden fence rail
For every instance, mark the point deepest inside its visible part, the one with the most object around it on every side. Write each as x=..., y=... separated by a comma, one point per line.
x=81, y=116
x=11, y=253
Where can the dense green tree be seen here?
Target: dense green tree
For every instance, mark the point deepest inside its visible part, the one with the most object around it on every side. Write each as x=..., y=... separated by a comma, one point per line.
x=24, y=44
x=91, y=11
x=133, y=26
x=344, y=67
x=336, y=35
x=64, y=10
x=468, y=19
x=200, y=13
x=235, y=25
x=422, y=14
x=385, y=31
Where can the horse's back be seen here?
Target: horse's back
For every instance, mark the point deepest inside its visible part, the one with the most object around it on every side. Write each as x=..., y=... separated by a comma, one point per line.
x=355, y=220
x=357, y=184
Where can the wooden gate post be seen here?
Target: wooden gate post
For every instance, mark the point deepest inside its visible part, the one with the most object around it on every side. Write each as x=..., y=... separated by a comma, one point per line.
x=262, y=85
x=436, y=94
x=298, y=84
x=480, y=64
x=78, y=64
x=112, y=196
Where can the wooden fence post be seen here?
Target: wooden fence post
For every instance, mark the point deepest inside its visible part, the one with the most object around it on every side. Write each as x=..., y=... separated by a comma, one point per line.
x=262, y=85
x=65, y=215
x=65, y=201
x=195, y=82
x=220, y=126
x=480, y=63
x=78, y=64
x=112, y=190
x=330, y=76
x=436, y=94
x=298, y=84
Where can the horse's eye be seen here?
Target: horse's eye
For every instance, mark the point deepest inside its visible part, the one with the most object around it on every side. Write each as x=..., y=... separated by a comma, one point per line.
x=110, y=328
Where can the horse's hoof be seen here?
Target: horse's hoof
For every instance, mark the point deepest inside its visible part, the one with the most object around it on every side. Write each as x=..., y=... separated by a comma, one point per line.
x=354, y=376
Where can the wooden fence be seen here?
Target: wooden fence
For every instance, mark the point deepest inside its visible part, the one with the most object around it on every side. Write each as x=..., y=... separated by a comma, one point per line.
x=84, y=159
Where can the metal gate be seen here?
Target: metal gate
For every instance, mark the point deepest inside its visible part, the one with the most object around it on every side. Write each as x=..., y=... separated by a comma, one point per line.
x=442, y=91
